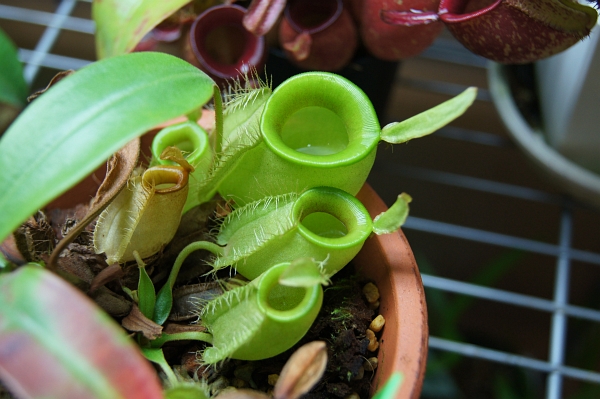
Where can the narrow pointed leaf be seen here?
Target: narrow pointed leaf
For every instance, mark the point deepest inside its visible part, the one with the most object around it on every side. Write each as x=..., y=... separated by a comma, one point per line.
x=164, y=298
x=56, y=343
x=429, y=121
x=164, y=304
x=70, y=130
x=121, y=24
x=392, y=219
x=146, y=293
x=13, y=89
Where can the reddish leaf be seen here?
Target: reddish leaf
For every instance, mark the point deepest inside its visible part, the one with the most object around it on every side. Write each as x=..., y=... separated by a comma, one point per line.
x=56, y=343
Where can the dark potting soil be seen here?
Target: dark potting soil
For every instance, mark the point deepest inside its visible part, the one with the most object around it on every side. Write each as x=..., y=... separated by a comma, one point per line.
x=342, y=322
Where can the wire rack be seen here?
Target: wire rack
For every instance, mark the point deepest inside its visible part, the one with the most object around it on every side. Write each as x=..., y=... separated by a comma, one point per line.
x=510, y=264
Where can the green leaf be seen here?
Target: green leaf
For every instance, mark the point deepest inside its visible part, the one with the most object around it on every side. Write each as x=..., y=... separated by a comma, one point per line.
x=13, y=88
x=164, y=303
x=75, y=126
x=146, y=292
x=56, y=343
x=391, y=387
x=302, y=272
x=164, y=299
x=121, y=24
x=429, y=121
x=392, y=219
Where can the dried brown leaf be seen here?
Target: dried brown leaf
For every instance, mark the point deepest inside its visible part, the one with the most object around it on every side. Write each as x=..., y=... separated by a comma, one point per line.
x=302, y=371
x=108, y=274
x=137, y=322
x=57, y=78
x=119, y=168
x=174, y=328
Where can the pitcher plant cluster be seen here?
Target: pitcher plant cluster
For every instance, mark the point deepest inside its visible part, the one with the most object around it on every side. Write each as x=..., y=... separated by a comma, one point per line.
x=288, y=162
x=225, y=39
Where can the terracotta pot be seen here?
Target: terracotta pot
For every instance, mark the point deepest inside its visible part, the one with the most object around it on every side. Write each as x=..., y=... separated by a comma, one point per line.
x=389, y=262
x=219, y=44
x=318, y=35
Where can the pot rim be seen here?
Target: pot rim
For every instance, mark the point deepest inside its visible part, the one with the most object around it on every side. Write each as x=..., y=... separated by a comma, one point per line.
x=404, y=339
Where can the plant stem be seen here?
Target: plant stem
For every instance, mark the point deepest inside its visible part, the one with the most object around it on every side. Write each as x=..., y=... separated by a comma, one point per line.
x=185, y=252
x=183, y=336
x=164, y=299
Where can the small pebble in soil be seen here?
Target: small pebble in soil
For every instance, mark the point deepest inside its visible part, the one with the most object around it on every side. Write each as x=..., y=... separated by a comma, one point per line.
x=370, y=364
x=347, y=313
x=272, y=379
x=373, y=343
x=377, y=324
x=371, y=293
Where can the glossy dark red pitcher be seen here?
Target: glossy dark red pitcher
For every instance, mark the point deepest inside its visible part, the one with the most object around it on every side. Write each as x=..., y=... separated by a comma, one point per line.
x=507, y=31
x=219, y=44
x=318, y=34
